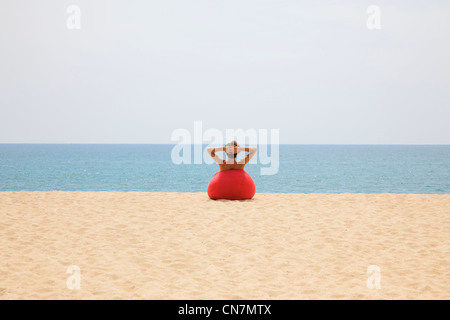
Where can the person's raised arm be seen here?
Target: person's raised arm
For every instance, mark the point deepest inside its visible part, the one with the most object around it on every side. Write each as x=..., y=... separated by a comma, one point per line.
x=212, y=153
x=251, y=152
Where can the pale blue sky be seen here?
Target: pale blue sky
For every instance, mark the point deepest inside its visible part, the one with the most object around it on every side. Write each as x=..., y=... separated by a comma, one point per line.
x=137, y=70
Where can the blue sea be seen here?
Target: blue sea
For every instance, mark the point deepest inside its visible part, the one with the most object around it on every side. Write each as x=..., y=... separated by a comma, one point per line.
x=423, y=169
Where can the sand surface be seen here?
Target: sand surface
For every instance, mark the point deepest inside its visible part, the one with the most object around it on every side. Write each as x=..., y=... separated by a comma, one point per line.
x=146, y=245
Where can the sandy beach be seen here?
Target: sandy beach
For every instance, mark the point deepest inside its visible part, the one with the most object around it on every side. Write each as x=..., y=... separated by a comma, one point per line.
x=143, y=245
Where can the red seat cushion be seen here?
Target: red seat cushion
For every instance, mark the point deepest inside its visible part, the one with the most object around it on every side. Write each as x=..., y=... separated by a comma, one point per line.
x=231, y=185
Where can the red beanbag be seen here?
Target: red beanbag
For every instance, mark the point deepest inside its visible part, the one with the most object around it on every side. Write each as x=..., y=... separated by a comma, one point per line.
x=231, y=185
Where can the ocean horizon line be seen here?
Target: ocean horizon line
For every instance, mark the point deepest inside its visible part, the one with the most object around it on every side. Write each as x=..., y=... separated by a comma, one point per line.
x=206, y=144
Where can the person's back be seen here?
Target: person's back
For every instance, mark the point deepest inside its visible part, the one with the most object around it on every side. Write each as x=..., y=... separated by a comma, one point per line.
x=231, y=166
x=232, y=149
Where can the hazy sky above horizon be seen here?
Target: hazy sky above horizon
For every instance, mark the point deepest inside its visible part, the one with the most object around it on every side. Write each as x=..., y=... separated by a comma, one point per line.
x=138, y=70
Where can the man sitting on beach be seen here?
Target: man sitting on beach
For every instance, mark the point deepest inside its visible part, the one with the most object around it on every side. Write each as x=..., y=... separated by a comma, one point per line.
x=232, y=149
